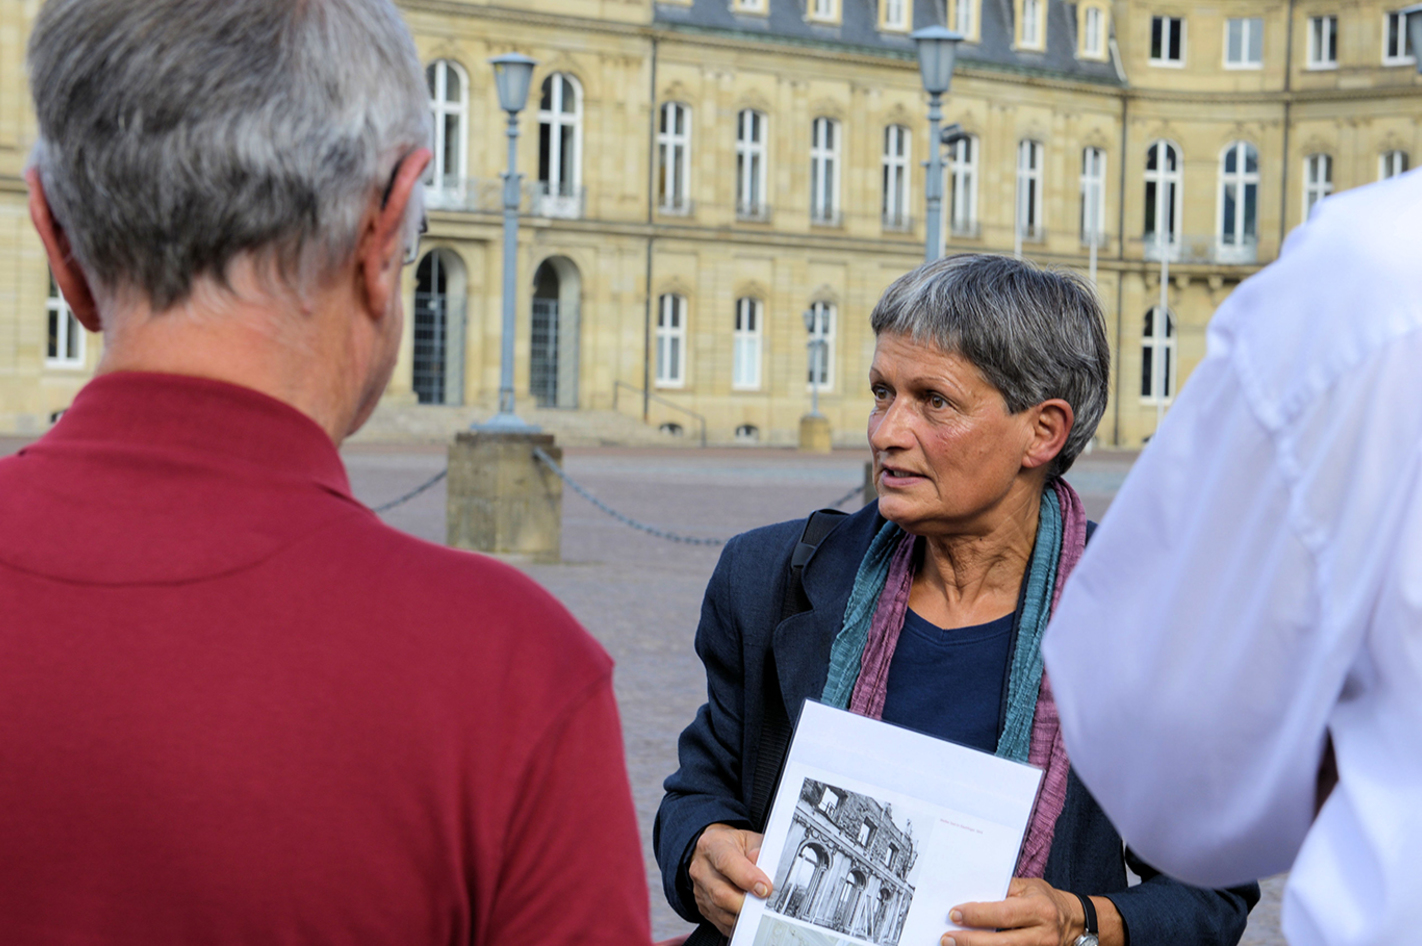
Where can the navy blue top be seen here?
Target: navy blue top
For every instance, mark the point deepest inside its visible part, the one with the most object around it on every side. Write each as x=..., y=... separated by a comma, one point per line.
x=949, y=682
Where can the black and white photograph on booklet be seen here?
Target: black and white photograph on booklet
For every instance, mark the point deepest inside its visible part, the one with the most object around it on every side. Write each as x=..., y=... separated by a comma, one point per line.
x=876, y=832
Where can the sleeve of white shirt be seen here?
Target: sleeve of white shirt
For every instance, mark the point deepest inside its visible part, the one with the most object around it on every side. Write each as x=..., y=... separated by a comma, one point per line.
x=1202, y=643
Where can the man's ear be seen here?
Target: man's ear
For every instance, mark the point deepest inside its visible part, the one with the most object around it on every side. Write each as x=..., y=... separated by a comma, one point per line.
x=68, y=275
x=380, y=254
x=1051, y=425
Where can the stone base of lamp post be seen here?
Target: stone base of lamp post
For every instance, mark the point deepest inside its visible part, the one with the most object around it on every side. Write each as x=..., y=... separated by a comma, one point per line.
x=815, y=434
x=502, y=500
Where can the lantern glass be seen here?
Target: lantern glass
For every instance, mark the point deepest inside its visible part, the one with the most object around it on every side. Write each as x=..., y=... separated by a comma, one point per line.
x=513, y=74
x=937, y=51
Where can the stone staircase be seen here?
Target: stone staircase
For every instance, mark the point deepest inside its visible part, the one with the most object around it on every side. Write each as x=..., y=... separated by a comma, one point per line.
x=425, y=423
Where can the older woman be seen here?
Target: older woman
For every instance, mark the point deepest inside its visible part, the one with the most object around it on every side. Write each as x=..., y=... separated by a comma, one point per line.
x=926, y=609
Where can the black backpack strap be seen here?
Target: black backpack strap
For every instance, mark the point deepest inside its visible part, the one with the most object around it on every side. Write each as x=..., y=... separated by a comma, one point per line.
x=775, y=728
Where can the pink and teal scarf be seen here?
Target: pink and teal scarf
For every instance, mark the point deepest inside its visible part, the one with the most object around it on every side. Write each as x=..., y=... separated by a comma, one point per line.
x=859, y=660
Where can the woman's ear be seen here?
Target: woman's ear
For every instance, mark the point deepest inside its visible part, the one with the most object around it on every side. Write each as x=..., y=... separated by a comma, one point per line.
x=68, y=275
x=1051, y=425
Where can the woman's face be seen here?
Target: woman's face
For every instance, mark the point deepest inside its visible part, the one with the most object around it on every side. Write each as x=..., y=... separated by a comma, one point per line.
x=948, y=457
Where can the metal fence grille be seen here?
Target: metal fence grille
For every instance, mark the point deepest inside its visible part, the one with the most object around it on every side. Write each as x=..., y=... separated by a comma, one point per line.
x=543, y=366
x=431, y=328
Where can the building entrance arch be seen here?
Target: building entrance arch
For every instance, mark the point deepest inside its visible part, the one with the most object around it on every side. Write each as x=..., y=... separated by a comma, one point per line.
x=554, y=333
x=441, y=288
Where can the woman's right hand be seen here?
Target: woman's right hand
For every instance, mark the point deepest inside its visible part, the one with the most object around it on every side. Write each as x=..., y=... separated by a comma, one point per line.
x=723, y=870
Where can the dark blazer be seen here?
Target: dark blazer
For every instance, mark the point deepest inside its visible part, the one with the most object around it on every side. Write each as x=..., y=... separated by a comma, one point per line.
x=740, y=627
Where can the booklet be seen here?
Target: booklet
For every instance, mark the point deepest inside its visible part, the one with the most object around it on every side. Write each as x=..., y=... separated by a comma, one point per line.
x=876, y=832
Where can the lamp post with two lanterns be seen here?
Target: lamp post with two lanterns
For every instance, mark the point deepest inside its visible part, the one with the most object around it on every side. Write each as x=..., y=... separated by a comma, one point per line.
x=937, y=53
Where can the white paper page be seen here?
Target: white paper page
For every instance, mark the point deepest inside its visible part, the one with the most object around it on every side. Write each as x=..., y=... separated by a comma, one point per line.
x=876, y=832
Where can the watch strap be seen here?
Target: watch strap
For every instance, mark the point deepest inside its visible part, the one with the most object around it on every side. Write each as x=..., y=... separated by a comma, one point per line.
x=1089, y=909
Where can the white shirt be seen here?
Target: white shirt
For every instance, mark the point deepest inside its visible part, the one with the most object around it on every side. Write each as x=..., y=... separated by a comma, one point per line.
x=1257, y=584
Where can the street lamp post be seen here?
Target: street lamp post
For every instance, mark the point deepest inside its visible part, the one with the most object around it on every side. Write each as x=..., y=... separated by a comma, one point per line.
x=937, y=50
x=513, y=73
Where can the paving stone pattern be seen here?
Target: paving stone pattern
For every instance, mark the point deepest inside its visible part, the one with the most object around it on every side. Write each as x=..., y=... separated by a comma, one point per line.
x=641, y=596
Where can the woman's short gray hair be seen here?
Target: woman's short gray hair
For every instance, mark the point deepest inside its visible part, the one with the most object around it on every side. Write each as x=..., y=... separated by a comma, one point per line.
x=177, y=135
x=1034, y=333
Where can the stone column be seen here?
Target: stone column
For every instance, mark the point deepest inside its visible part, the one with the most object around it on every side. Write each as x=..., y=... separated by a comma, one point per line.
x=502, y=500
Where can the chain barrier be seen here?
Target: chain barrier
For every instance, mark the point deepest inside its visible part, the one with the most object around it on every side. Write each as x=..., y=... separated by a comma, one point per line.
x=412, y=493
x=583, y=492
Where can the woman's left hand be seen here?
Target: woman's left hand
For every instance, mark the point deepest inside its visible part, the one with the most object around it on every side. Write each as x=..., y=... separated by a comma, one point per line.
x=1034, y=914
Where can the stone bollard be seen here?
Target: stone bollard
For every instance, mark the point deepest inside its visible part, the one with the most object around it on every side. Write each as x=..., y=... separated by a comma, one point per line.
x=815, y=434
x=503, y=500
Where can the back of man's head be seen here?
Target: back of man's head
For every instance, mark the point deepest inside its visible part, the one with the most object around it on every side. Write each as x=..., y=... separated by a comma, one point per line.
x=179, y=135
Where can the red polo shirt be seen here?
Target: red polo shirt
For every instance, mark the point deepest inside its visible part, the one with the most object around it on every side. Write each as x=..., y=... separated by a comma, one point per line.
x=237, y=708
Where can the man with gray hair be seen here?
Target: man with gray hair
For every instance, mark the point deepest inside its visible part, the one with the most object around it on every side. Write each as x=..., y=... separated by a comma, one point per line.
x=234, y=706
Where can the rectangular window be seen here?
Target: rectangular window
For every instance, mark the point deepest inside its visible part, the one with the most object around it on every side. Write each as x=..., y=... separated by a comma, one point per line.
x=1158, y=357
x=829, y=801
x=671, y=341
x=822, y=346
x=1031, y=33
x=1244, y=43
x=824, y=10
x=824, y=172
x=1391, y=164
x=1167, y=41
x=674, y=158
x=750, y=6
x=1030, y=155
x=750, y=165
x=1397, y=45
x=965, y=20
x=890, y=852
x=745, y=357
x=895, y=208
x=1093, y=194
x=1093, y=33
x=1318, y=180
x=866, y=831
x=1323, y=42
x=65, y=347
x=963, y=187
x=895, y=14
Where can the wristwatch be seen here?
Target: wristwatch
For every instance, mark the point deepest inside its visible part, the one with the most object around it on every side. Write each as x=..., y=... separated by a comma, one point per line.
x=1089, y=938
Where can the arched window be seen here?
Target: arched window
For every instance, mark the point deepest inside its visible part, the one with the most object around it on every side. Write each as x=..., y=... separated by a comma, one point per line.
x=897, y=146
x=560, y=146
x=674, y=158
x=750, y=164
x=1093, y=194
x=1391, y=164
x=745, y=356
x=1164, y=191
x=963, y=186
x=671, y=341
x=1239, y=202
x=431, y=329
x=748, y=433
x=822, y=354
x=824, y=171
x=65, y=348
x=1158, y=357
x=1030, y=158
x=449, y=103
x=1318, y=180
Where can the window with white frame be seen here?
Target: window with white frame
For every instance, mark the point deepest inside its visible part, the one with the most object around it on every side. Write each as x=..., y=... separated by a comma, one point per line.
x=1391, y=164
x=674, y=158
x=963, y=186
x=671, y=341
x=1030, y=158
x=560, y=136
x=1239, y=197
x=1093, y=33
x=1164, y=193
x=1158, y=357
x=897, y=146
x=749, y=6
x=1323, y=42
x=824, y=171
x=825, y=10
x=750, y=164
x=965, y=18
x=1032, y=33
x=1318, y=180
x=746, y=346
x=821, y=372
x=1093, y=194
x=1397, y=45
x=1244, y=42
x=449, y=105
x=895, y=14
x=1167, y=41
x=65, y=348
